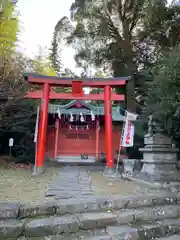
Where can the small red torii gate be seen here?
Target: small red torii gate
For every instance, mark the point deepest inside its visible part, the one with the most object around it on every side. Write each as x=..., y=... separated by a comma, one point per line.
x=77, y=93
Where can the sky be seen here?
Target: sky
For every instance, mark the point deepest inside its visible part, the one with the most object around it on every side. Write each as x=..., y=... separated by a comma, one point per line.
x=38, y=19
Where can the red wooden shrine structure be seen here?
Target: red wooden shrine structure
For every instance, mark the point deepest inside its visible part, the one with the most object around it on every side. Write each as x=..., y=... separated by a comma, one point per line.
x=46, y=93
x=76, y=131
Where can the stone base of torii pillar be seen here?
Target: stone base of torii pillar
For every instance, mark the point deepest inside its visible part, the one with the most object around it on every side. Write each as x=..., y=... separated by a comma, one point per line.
x=38, y=171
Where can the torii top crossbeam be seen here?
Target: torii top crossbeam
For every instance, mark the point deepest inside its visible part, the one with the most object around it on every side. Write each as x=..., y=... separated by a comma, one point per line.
x=34, y=78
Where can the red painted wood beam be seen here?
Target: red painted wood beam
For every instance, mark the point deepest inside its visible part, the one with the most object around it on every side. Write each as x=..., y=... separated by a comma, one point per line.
x=108, y=126
x=54, y=95
x=57, y=127
x=68, y=83
x=97, y=139
x=42, y=131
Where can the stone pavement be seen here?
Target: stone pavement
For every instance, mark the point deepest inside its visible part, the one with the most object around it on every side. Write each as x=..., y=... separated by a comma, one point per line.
x=71, y=182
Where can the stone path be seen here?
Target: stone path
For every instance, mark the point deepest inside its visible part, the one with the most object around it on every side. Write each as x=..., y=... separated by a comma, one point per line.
x=71, y=182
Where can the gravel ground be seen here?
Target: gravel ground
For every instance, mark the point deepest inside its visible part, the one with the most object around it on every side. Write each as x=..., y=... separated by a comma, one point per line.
x=19, y=184
x=106, y=186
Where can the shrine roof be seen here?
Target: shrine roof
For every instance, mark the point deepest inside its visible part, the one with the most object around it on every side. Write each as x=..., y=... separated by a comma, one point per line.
x=85, y=109
x=79, y=104
x=55, y=80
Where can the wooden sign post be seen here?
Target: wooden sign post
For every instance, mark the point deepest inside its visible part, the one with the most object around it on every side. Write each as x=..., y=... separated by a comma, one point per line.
x=11, y=144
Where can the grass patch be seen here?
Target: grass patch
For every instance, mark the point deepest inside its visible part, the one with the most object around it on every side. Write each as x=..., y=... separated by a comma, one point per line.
x=19, y=185
x=106, y=186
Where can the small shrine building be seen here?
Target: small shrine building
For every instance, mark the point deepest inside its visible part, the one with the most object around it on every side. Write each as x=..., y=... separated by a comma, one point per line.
x=77, y=129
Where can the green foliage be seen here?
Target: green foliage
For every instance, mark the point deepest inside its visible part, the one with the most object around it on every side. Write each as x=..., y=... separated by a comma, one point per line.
x=55, y=56
x=123, y=38
x=42, y=64
x=162, y=24
x=164, y=92
x=17, y=115
x=19, y=123
x=9, y=26
x=61, y=31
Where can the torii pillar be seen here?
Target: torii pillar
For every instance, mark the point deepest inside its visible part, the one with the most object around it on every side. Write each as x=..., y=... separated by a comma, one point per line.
x=108, y=126
x=42, y=131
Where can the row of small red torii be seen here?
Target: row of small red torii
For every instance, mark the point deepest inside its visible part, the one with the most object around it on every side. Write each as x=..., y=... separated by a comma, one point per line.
x=46, y=93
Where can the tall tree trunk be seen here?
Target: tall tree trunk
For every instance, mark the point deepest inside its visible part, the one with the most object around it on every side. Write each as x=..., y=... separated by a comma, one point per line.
x=127, y=47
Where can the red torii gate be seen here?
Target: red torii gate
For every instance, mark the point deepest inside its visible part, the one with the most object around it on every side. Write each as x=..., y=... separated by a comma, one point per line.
x=77, y=93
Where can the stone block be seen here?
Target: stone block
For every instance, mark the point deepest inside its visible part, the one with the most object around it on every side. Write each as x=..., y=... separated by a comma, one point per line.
x=105, y=237
x=136, y=201
x=122, y=232
x=129, y=165
x=154, y=230
x=105, y=204
x=96, y=220
x=52, y=237
x=157, y=139
x=174, y=237
x=10, y=229
x=71, y=206
x=64, y=196
x=159, y=229
x=77, y=206
x=41, y=209
x=147, y=214
x=95, y=234
x=9, y=210
x=51, y=226
x=92, y=206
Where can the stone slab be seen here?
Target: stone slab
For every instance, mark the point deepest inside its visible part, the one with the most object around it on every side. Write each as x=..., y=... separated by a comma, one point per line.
x=142, y=179
x=148, y=214
x=65, y=188
x=105, y=237
x=51, y=226
x=165, y=230
x=174, y=237
x=9, y=210
x=71, y=188
x=122, y=232
x=10, y=229
x=52, y=193
x=95, y=220
x=35, y=210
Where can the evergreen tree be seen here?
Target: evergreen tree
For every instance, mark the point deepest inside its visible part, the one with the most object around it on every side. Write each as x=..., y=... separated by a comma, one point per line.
x=55, y=55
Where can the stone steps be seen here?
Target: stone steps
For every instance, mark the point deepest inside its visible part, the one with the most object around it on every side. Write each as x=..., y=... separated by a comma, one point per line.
x=115, y=217
x=114, y=222
x=164, y=230
x=85, y=205
x=72, y=163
